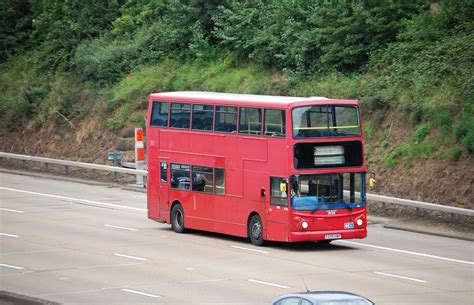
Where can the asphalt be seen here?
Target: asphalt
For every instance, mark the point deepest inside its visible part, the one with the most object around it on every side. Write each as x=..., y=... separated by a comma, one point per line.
x=76, y=243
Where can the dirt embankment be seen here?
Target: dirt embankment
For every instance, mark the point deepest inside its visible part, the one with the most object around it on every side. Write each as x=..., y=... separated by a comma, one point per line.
x=86, y=142
x=430, y=180
x=425, y=179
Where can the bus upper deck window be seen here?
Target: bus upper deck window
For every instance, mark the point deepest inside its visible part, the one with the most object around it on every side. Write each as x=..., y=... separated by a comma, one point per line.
x=202, y=117
x=180, y=115
x=250, y=121
x=274, y=123
x=159, y=114
x=226, y=119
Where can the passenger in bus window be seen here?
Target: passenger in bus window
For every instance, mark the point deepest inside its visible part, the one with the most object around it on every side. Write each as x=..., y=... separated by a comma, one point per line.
x=199, y=182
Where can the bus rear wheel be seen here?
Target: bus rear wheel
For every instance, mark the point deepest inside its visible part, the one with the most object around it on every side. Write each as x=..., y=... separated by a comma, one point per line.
x=255, y=231
x=177, y=219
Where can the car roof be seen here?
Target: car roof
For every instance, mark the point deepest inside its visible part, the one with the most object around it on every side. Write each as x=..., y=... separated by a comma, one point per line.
x=321, y=296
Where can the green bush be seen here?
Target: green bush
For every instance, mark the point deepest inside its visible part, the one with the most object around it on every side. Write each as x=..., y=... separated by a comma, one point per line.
x=422, y=150
x=138, y=121
x=121, y=119
x=369, y=130
x=452, y=154
x=22, y=91
x=390, y=163
x=310, y=35
x=468, y=141
x=464, y=130
x=105, y=61
x=421, y=132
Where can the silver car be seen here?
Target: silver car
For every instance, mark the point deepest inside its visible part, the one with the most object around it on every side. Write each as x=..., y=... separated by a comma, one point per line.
x=322, y=298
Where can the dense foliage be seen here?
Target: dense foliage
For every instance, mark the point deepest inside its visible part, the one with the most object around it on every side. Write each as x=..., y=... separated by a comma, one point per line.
x=58, y=57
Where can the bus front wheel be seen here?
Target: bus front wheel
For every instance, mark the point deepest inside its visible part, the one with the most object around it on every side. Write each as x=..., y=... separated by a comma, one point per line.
x=177, y=219
x=255, y=231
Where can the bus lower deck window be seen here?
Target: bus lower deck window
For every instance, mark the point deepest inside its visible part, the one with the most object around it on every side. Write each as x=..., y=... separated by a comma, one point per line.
x=180, y=176
x=220, y=181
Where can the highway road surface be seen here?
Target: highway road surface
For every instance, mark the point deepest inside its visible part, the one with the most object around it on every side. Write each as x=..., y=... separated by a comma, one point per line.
x=78, y=243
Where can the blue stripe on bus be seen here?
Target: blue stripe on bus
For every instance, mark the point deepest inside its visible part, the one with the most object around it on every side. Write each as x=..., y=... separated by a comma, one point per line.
x=310, y=203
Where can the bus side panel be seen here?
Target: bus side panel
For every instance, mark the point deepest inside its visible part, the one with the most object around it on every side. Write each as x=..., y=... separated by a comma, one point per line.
x=198, y=215
x=277, y=231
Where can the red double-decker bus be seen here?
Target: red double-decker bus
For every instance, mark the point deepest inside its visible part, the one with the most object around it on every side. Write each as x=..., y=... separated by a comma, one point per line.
x=264, y=167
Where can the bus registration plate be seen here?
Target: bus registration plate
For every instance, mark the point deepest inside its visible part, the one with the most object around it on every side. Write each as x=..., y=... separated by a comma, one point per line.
x=332, y=236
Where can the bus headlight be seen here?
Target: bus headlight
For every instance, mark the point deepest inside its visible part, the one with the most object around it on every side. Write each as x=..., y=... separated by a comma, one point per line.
x=359, y=222
x=304, y=225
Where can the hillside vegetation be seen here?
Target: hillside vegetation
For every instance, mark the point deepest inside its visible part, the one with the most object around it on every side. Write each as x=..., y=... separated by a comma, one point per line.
x=62, y=61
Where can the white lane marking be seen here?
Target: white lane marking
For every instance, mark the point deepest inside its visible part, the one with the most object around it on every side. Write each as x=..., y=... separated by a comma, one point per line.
x=267, y=283
x=407, y=252
x=141, y=293
x=118, y=227
x=248, y=249
x=400, y=277
x=12, y=267
x=74, y=199
x=132, y=257
x=9, y=235
x=107, y=266
x=10, y=210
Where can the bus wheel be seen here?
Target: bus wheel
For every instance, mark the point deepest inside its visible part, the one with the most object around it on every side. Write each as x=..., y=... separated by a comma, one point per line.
x=177, y=219
x=255, y=230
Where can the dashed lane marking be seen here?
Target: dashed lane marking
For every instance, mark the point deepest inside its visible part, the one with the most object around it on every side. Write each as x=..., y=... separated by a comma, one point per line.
x=249, y=249
x=400, y=277
x=131, y=257
x=268, y=283
x=406, y=252
x=119, y=227
x=11, y=267
x=141, y=293
x=9, y=235
x=84, y=201
x=11, y=210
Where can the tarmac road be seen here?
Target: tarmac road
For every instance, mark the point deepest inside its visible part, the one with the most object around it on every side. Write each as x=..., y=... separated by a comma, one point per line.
x=77, y=243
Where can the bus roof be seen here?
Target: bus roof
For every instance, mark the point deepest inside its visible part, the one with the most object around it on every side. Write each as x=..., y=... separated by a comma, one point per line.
x=242, y=99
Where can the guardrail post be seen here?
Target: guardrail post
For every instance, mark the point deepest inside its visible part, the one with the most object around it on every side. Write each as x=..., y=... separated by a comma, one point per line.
x=46, y=167
x=93, y=174
x=24, y=163
x=139, y=155
x=66, y=169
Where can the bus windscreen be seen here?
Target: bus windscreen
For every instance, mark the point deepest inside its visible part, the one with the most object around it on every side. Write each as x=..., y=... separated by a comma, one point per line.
x=325, y=121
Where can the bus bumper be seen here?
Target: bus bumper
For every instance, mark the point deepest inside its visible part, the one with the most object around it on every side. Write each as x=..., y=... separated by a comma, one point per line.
x=327, y=235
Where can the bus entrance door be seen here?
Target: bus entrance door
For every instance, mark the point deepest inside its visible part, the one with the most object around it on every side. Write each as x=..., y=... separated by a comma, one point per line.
x=164, y=212
x=277, y=210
